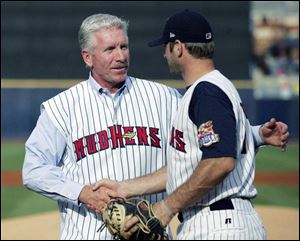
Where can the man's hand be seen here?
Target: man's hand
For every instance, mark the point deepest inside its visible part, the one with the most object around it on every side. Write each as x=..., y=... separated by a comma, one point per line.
x=160, y=211
x=143, y=223
x=275, y=133
x=119, y=188
x=96, y=200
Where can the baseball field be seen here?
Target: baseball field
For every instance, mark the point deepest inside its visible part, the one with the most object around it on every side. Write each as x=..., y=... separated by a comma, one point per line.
x=26, y=215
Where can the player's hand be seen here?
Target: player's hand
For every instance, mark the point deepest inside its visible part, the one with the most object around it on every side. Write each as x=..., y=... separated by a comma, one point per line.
x=130, y=225
x=275, y=133
x=160, y=212
x=96, y=200
x=118, y=188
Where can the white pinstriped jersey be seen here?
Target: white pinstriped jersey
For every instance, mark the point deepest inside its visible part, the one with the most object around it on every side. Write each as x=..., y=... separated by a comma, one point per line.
x=106, y=139
x=240, y=223
x=185, y=154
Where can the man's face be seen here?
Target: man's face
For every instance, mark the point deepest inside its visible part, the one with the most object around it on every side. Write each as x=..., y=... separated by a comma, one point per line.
x=109, y=61
x=174, y=66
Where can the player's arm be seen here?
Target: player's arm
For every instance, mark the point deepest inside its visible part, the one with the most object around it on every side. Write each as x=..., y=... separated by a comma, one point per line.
x=41, y=169
x=41, y=172
x=148, y=184
x=208, y=174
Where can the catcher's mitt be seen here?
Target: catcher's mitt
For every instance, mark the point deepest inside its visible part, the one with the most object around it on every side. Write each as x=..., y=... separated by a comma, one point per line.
x=118, y=211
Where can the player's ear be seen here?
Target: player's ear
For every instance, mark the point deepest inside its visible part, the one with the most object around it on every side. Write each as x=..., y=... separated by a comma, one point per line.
x=178, y=48
x=87, y=58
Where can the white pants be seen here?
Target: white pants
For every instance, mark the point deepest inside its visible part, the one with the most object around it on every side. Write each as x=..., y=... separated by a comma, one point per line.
x=240, y=223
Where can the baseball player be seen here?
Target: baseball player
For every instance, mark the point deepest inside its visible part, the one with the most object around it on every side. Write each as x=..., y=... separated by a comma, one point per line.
x=109, y=126
x=211, y=151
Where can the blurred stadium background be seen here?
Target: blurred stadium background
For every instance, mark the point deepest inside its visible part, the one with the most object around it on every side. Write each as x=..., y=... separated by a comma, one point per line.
x=257, y=46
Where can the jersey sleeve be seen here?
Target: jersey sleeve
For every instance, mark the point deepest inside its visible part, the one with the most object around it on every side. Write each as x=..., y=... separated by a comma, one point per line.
x=212, y=112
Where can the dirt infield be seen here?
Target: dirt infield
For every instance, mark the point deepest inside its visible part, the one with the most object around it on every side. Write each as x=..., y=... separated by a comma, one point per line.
x=287, y=178
x=281, y=224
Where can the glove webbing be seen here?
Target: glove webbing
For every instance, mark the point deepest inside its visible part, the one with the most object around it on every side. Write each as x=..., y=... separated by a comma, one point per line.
x=144, y=224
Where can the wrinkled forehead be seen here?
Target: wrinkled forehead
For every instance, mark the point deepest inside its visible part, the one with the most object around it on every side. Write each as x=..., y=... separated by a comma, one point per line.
x=110, y=35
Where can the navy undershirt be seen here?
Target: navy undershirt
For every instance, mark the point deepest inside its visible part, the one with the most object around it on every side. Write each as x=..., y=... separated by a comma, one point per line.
x=210, y=103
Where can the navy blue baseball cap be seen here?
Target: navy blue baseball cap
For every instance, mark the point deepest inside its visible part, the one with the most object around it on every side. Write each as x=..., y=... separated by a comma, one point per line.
x=186, y=26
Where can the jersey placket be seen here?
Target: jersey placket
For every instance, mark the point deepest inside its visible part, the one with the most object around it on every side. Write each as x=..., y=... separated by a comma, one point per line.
x=114, y=103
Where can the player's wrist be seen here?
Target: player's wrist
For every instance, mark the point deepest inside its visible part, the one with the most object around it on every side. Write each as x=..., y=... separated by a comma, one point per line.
x=165, y=207
x=82, y=198
x=164, y=213
x=128, y=189
x=258, y=135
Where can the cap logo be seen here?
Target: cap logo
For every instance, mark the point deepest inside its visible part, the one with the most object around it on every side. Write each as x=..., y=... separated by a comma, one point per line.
x=172, y=35
x=208, y=36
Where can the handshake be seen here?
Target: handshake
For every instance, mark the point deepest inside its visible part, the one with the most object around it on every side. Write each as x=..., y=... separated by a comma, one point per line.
x=119, y=212
x=125, y=218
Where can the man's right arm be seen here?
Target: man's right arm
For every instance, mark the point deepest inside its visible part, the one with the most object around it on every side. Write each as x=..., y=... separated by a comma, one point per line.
x=152, y=183
x=44, y=153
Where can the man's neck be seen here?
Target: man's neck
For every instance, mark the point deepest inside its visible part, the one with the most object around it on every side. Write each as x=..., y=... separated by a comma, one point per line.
x=110, y=86
x=195, y=69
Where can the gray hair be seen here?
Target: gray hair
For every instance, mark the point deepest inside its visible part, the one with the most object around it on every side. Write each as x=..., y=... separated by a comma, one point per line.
x=201, y=50
x=94, y=23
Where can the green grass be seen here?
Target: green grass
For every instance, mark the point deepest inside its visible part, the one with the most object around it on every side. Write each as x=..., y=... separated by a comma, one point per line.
x=271, y=159
x=18, y=201
x=277, y=195
x=12, y=155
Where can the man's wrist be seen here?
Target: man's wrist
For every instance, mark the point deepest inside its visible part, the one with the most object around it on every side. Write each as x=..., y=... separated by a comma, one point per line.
x=257, y=134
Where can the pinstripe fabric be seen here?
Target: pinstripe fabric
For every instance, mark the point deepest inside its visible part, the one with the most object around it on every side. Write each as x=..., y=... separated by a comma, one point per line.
x=110, y=139
x=241, y=223
x=239, y=183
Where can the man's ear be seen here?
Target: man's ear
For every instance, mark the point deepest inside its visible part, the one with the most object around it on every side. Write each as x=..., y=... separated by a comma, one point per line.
x=87, y=58
x=178, y=48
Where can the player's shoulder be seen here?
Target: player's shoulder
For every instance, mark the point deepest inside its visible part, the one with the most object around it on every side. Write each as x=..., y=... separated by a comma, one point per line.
x=154, y=86
x=207, y=88
x=77, y=87
x=72, y=92
x=208, y=91
x=211, y=84
x=216, y=78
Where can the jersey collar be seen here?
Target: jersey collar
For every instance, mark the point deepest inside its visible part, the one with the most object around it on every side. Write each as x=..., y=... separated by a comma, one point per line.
x=98, y=88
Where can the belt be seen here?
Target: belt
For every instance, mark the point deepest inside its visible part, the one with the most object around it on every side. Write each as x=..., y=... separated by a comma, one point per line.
x=223, y=204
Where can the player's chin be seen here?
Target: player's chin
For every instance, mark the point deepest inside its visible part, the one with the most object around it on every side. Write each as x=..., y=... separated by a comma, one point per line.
x=120, y=76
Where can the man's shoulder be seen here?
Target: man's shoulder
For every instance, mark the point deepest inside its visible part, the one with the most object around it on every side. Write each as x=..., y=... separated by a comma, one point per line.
x=207, y=91
x=80, y=84
x=71, y=92
x=153, y=84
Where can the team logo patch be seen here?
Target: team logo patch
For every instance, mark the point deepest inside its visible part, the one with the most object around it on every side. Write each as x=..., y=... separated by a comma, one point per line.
x=129, y=135
x=206, y=134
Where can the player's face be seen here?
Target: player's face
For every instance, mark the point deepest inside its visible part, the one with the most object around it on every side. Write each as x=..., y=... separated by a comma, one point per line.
x=174, y=66
x=110, y=58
